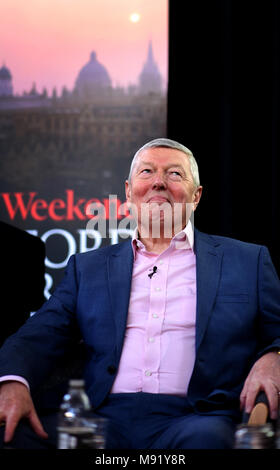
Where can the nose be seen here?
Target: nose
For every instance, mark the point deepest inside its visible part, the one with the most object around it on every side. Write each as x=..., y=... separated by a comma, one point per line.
x=159, y=181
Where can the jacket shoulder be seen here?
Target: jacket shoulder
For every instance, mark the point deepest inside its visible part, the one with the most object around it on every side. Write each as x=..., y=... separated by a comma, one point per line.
x=228, y=242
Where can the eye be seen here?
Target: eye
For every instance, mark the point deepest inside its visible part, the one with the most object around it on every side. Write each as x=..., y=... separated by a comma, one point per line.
x=146, y=171
x=174, y=174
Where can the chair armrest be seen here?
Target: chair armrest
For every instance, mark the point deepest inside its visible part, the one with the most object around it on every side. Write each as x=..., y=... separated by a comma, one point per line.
x=260, y=413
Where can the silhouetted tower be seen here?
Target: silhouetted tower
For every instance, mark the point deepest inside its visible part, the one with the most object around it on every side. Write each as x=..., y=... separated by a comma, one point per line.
x=150, y=80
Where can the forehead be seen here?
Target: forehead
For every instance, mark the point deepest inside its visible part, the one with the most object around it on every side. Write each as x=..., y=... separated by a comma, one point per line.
x=163, y=156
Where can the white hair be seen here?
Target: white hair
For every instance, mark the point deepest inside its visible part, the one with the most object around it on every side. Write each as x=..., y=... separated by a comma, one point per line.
x=168, y=143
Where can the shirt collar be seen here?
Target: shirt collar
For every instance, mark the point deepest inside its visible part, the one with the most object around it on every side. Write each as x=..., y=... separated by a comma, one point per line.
x=182, y=240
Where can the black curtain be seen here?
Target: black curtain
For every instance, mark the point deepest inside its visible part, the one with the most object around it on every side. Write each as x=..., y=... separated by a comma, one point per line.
x=223, y=103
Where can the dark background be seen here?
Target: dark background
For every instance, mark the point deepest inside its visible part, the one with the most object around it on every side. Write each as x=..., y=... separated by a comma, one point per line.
x=223, y=103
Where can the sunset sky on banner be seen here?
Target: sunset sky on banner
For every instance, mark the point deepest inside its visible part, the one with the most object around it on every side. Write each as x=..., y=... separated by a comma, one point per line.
x=49, y=41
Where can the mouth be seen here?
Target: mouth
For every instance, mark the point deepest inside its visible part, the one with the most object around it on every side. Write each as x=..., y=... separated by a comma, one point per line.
x=158, y=199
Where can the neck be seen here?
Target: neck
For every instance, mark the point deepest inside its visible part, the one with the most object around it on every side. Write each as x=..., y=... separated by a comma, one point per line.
x=156, y=245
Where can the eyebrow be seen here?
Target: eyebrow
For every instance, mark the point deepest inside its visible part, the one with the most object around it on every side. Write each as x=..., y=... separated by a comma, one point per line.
x=178, y=166
x=174, y=165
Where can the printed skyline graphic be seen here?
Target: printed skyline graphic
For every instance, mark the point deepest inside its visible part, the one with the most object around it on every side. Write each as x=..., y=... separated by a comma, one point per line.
x=45, y=42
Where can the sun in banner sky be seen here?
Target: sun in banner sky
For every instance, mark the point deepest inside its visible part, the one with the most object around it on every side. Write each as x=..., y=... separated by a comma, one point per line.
x=135, y=17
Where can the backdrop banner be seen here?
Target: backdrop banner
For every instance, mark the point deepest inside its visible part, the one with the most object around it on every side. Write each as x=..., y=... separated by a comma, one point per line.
x=82, y=87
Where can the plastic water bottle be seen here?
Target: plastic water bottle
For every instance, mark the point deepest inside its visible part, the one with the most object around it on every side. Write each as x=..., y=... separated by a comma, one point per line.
x=255, y=437
x=73, y=433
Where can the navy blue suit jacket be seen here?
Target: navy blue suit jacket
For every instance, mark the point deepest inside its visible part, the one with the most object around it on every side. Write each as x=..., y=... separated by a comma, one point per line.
x=238, y=319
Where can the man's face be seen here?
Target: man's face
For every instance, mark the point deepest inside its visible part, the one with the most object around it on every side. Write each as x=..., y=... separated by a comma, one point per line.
x=162, y=178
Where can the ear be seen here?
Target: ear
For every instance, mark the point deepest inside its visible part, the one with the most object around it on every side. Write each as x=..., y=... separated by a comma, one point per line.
x=197, y=196
x=127, y=191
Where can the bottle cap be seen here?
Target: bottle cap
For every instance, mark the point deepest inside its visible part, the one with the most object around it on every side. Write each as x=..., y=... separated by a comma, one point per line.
x=76, y=383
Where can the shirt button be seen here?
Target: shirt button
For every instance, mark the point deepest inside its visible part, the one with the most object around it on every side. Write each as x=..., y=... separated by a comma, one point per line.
x=148, y=373
x=155, y=315
x=160, y=261
x=151, y=340
x=158, y=289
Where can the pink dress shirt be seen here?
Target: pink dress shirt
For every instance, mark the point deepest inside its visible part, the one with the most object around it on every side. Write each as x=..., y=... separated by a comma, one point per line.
x=159, y=346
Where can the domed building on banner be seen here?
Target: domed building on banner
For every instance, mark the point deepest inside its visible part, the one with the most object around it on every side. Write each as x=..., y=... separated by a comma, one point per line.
x=92, y=79
x=6, y=86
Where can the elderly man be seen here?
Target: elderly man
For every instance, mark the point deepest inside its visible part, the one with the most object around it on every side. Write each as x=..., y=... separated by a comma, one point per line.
x=179, y=327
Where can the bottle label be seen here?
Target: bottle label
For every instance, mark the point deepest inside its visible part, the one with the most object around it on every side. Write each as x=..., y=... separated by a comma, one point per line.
x=67, y=441
x=80, y=437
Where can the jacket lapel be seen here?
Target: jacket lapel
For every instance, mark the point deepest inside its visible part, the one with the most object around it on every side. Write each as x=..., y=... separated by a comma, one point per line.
x=208, y=268
x=119, y=265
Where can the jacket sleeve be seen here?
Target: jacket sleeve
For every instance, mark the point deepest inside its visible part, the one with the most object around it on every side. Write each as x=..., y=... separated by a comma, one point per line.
x=33, y=350
x=269, y=304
